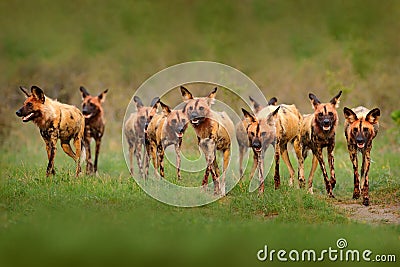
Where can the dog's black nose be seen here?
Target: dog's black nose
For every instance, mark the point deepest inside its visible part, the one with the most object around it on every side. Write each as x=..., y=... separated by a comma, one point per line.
x=359, y=140
x=256, y=144
x=194, y=115
x=326, y=122
x=19, y=113
x=180, y=129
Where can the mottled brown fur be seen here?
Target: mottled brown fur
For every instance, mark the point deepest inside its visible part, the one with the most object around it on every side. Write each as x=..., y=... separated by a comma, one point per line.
x=317, y=131
x=164, y=130
x=284, y=127
x=134, y=131
x=242, y=137
x=210, y=124
x=360, y=128
x=55, y=121
x=93, y=112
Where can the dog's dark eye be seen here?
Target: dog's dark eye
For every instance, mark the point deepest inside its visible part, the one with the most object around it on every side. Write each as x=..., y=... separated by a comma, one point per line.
x=201, y=108
x=355, y=130
x=142, y=118
x=183, y=121
x=252, y=134
x=320, y=114
x=190, y=108
x=365, y=129
x=263, y=134
x=330, y=114
x=173, y=121
x=29, y=105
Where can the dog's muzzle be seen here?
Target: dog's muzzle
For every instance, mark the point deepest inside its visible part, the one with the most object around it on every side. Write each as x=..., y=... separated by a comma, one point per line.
x=360, y=142
x=326, y=125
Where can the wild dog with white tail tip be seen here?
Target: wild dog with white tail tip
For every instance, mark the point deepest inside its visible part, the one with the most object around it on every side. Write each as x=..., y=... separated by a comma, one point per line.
x=55, y=121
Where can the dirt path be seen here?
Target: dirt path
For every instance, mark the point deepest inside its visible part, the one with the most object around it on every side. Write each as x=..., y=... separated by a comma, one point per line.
x=377, y=214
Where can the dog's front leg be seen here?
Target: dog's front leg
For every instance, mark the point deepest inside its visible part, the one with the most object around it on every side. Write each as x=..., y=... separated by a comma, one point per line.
x=320, y=159
x=51, y=147
x=364, y=176
x=353, y=157
x=277, y=178
x=260, y=163
x=178, y=160
x=331, y=162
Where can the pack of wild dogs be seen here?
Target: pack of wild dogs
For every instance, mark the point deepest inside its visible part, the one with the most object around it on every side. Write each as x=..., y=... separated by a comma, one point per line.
x=149, y=132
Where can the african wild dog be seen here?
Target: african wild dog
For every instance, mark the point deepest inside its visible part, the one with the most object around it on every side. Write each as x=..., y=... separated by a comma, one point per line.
x=277, y=126
x=243, y=139
x=210, y=124
x=93, y=112
x=164, y=130
x=316, y=132
x=360, y=128
x=134, y=131
x=55, y=121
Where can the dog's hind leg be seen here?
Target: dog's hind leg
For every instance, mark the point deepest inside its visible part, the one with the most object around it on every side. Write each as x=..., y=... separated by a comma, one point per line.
x=78, y=151
x=242, y=151
x=286, y=159
x=226, y=155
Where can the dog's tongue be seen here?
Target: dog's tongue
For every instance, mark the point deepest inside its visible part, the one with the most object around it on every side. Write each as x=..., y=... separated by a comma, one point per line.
x=27, y=117
x=326, y=128
x=360, y=145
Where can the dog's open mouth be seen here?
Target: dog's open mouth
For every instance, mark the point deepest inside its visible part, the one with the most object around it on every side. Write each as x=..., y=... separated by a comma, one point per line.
x=28, y=117
x=258, y=149
x=87, y=116
x=326, y=128
x=360, y=145
x=196, y=121
x=179, y=135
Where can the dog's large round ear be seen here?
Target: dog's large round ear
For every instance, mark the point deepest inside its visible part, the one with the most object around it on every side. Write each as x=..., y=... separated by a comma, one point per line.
x=271, y=117
x=165, y=109
x=373, y=116
x=186, y=95
x=24, y=90
x=84, y=92
x=138, y=101
x=102, y=96
x=272, y=101
x=349, y=115
x=38, y=93
x=314, y=100
x=211, y=96
x=336, y=100
x=250, y=118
